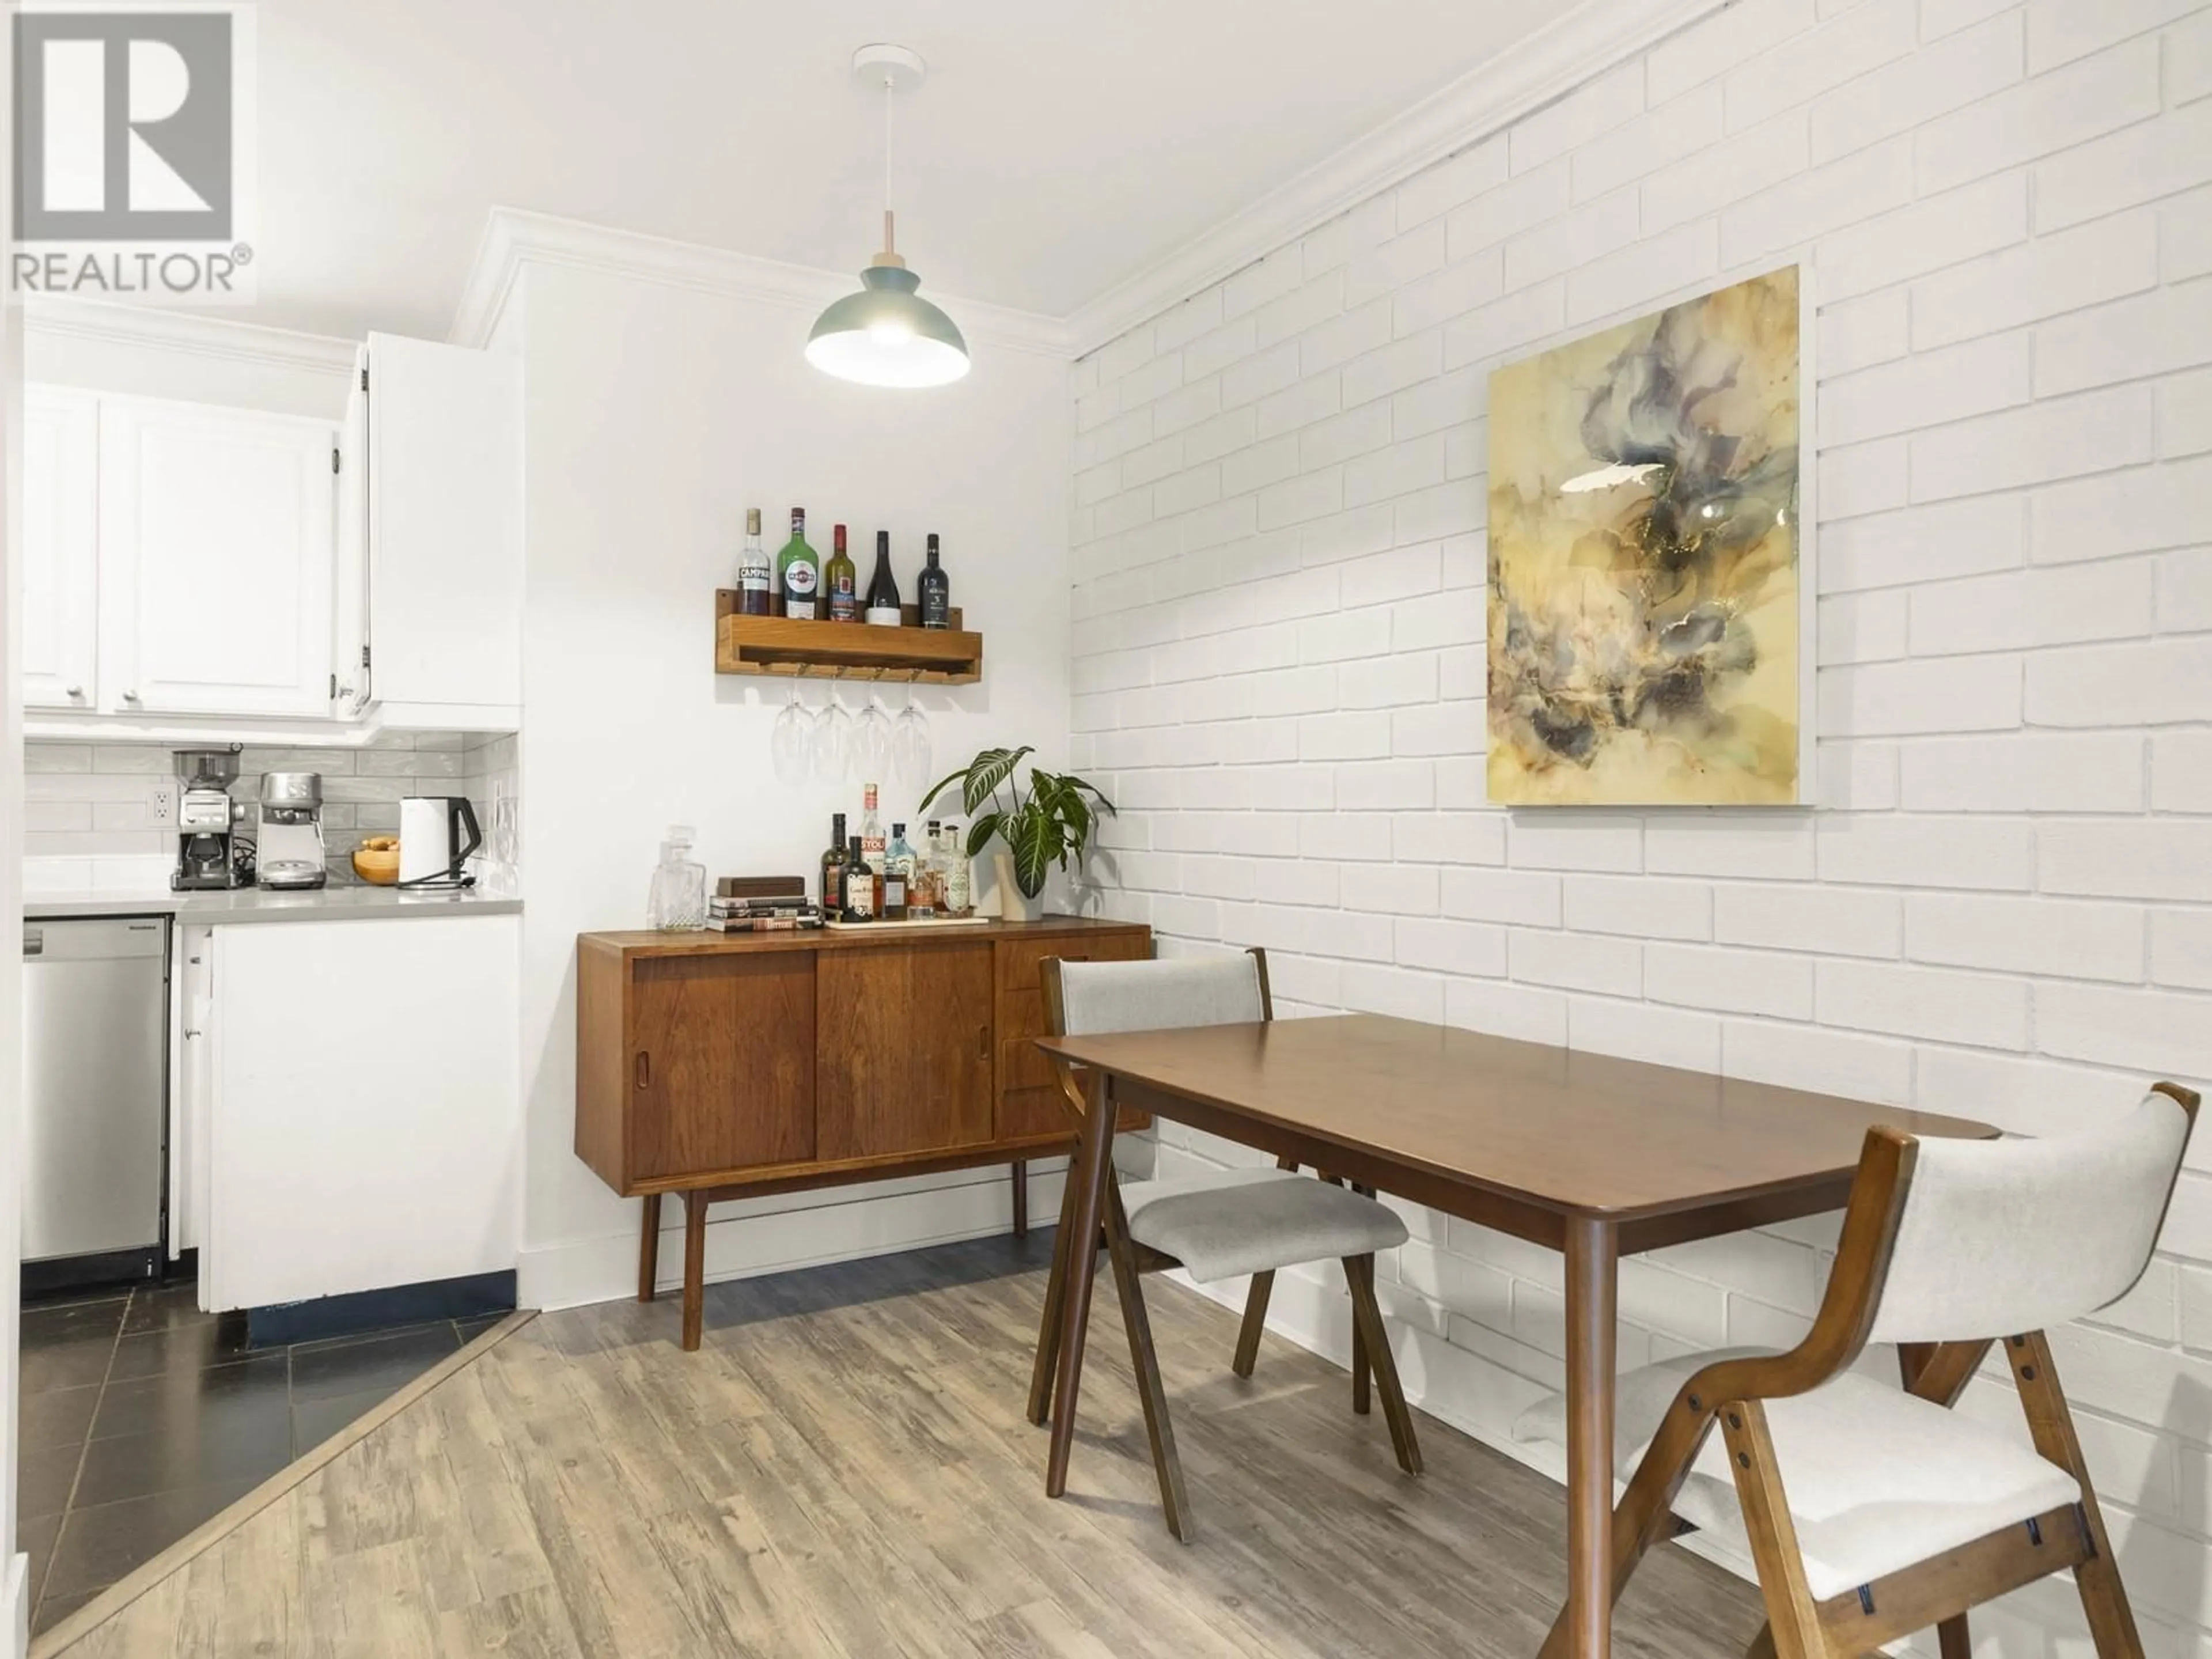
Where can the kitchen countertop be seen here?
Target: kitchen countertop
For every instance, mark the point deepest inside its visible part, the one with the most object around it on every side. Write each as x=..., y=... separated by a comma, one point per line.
x=253, y=904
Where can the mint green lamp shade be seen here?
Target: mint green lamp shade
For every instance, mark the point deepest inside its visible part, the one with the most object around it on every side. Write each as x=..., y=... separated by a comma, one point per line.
x=888, y=335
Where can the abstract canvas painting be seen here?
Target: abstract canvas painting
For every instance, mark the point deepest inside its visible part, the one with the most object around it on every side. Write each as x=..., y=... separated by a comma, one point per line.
x=1646, y=588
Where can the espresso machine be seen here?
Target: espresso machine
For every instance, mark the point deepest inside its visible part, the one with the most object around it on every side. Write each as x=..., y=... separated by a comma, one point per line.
x=288, y=842
x=211, y=854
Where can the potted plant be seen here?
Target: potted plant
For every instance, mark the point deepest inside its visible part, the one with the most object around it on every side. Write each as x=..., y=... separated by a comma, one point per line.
x=1048, y=824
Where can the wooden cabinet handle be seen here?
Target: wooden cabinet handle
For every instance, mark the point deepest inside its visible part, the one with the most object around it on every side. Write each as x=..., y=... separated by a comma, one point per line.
x=644, y=1069
x=982, y=1042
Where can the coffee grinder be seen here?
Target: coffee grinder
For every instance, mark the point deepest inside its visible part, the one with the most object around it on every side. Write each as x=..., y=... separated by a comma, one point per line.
x=207, y=820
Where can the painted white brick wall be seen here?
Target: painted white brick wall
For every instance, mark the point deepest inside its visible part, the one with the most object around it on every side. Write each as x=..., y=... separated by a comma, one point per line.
x=2003, y=907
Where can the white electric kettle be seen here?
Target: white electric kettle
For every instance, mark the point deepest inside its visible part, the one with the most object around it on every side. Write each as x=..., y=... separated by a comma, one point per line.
x=437, y=833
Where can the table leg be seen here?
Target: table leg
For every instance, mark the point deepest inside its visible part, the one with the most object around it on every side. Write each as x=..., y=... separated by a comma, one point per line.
x=695, y=1266
x=1593, y=1292
x=1093, y=1166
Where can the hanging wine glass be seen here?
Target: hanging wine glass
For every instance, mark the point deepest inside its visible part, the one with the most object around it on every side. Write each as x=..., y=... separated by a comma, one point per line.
x=910, y=744
x=789, y=741
x=832, y=741
x=872, y=743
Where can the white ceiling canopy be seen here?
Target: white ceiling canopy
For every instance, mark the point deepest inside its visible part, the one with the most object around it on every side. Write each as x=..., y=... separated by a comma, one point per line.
x=1055, y=152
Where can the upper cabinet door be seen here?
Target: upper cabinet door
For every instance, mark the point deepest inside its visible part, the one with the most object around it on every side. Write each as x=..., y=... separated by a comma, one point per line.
x=216, y=561
x=61, y=548
x=350, y=655
x=445, y=547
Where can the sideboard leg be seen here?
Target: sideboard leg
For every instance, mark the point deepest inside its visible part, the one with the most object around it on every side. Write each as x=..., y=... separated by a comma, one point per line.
x=1021, y=1200
x=695, y=1266
x=649, y=1248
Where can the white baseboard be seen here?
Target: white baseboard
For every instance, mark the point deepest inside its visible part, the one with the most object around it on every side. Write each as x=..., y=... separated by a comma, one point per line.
x=15, y=1605
x=748, y=1238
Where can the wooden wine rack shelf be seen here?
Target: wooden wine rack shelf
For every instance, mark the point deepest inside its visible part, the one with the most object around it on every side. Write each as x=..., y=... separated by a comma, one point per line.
x=844, y=651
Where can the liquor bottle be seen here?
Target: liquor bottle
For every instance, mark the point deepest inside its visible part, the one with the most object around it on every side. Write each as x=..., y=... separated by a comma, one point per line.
x=799, y=571
x=676, y=903
x=898, y=877
x=883, y=587
x=833, y=866
x=755, y=575
x=872, y=829
x=840, y=581
x=936, y=595
x=859, y=885
x=959, y=885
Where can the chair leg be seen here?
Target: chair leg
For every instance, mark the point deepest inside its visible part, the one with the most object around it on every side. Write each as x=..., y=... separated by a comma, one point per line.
x=1367, y=1316
x=2051, y=1424
x=1055, y=1300
x=649, y=1248
x=1762, y=1645
x=1792, y=1620
x=1145, y=1362
x=1957, y=1643
x=1360, y=1403
x=1256, y=1321
x=1021, y=1174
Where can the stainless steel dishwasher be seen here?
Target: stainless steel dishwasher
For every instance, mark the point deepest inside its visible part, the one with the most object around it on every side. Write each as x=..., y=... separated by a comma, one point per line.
x=96, y=1090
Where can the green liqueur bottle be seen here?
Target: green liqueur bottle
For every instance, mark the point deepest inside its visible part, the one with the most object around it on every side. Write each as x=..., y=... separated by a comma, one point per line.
x=799, y=571
x=841, y=581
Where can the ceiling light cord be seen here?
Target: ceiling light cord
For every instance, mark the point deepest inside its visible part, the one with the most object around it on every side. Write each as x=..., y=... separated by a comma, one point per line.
x=889, y=247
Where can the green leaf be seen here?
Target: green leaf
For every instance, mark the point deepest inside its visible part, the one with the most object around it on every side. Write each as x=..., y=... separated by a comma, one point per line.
x=1037, y=843
x=981, y=831
x=1092, y=791
x=988, y=771
x=941, y=787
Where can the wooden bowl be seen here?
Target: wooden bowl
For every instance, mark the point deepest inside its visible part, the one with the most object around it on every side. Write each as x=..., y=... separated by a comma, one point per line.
x=378, y=865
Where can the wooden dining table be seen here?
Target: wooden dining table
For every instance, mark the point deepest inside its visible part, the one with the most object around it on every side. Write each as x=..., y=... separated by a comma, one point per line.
x=1594, y=1156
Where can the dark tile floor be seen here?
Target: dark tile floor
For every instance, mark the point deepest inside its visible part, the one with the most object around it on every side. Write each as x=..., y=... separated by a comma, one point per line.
x=142, y=1416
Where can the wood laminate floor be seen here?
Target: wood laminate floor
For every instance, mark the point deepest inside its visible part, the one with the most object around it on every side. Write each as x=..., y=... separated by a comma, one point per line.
x=844, y=1469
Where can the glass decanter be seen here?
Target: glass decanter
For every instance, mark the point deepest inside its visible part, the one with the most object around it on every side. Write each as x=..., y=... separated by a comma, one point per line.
x=677, y=901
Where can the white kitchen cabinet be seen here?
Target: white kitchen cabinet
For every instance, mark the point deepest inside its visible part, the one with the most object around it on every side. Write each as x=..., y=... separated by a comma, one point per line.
x=366, y=1118
x=215, y=563
x=61, y=548
x=349, y=649
x=438, y=468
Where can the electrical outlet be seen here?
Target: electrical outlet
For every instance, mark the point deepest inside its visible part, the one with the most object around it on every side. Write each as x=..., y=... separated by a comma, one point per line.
x=161, y=804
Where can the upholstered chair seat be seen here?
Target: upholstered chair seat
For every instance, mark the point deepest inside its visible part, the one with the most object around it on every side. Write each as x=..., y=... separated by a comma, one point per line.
x=1233, y=1222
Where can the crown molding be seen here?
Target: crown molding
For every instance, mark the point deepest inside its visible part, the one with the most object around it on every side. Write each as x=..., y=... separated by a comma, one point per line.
x=514, y=238
x=196, y=334
x=1564, y=54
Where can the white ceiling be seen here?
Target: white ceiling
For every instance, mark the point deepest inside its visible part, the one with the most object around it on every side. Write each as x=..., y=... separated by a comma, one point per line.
x=1057, y=150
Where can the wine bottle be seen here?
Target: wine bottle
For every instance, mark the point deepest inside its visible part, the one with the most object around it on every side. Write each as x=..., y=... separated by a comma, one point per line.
x=756, y=576
x=833, y=866
x=936, y=594
x=898, y=876
x=799, y=571
x=840, y=581
x=859, y=882
x=883, y=587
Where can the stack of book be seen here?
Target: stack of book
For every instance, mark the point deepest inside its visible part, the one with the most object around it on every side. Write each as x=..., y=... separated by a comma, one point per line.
x=761, y=904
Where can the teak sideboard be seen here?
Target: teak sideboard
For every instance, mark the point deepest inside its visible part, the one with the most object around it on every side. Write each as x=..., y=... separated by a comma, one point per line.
x=730, y=1066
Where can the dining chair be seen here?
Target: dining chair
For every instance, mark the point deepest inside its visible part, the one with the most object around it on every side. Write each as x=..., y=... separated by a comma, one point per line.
x=1217, y=1226
x=1871, y=1511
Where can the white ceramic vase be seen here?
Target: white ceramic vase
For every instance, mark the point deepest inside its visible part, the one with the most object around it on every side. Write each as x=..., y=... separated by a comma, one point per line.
x=1014, y=905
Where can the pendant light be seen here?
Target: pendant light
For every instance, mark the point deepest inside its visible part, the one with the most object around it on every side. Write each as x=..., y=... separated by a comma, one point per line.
x=887, y=334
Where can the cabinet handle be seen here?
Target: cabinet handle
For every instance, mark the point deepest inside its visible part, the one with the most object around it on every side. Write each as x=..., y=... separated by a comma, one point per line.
x=130, y=696
x=644, y=1069
x=982, y=1042
x=77, y=692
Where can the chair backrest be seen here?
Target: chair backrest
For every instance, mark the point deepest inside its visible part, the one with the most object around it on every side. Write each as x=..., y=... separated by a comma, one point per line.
x=1999, y=1238
x=1156, y=995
